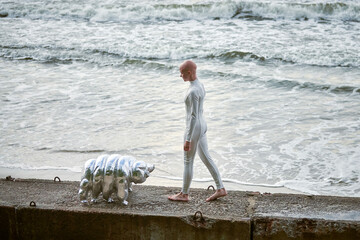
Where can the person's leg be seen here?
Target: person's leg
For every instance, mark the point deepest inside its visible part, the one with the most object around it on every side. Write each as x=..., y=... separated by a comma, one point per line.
x=209, y=163
x=188, y=170
x=188, y=167
x=187, y=176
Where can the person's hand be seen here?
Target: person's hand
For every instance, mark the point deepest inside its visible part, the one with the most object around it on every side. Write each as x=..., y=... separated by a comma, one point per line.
x=187, y=146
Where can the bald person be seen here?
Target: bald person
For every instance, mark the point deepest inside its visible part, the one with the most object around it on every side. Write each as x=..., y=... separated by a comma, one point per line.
x=195, y=135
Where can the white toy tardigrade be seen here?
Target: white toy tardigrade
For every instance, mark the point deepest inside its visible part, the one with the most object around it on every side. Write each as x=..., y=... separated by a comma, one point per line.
x=112, y=174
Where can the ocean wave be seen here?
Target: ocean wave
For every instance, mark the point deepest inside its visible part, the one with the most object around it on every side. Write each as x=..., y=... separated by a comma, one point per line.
x=291, y=84
x=44, y=54
x=294, y=84
x=79, y=151
x=154, y=59
x=76, y=169
x=318, y=187
x=224, y=180
x=62, y=55
x=234, y=55
x=298, y=11
x=119, y=11
x=297, y=185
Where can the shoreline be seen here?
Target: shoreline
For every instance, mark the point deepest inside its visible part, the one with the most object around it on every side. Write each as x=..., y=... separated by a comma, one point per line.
x=153, y=180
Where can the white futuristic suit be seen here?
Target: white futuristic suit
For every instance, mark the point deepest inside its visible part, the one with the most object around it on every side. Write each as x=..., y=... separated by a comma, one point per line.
x=196, y=134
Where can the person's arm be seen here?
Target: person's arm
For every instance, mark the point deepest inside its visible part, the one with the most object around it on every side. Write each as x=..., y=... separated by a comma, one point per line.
x=194, y=103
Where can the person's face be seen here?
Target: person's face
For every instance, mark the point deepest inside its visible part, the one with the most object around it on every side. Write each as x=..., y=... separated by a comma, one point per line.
x=185, y=74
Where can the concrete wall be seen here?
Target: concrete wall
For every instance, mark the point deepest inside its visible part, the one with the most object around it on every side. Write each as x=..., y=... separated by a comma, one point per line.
x=39, y=223
x=317, y=229
x=7, y=223
x=46, y=223
x=59, y=215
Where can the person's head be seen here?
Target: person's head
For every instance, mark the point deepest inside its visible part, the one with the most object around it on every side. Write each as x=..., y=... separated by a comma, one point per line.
x=188, y=71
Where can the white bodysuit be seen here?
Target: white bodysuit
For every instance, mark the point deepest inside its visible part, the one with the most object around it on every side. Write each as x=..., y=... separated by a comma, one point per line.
x=196, y=134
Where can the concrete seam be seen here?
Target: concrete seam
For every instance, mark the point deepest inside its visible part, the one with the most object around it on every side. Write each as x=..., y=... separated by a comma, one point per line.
x=16, y=223
x=252, y=226
x=251, y=210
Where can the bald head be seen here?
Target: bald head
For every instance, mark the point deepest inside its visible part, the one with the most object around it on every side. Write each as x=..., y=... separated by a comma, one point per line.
x=188, y=65
x=188, y=70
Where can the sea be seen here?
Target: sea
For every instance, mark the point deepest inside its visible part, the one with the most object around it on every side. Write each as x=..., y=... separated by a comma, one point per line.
x=82, y=78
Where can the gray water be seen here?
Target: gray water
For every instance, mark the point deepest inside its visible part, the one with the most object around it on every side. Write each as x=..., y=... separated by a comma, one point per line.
x=84, y=78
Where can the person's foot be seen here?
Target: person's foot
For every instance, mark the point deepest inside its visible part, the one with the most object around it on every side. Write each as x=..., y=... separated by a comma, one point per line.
x=218, y=194
x=179, y=197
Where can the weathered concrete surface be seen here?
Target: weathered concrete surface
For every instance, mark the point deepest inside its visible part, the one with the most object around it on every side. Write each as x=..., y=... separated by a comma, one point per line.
x=7, y=222
x=150, y=215
x=43, y=223
x=304, y=228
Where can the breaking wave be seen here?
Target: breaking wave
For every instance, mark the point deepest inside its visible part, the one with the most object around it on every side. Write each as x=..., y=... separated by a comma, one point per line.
x=224, y=180
x=315, y=86
x=117, y=57
x=76, y=169
x=111, y=11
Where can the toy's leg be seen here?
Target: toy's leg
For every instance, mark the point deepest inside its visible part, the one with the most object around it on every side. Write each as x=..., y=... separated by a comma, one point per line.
x=122, y=191
x=96, y=190
x=97, y=184
x=86, y=196
x=83, y=195
x=130, y=187
x=108, y=188
x=84, y=189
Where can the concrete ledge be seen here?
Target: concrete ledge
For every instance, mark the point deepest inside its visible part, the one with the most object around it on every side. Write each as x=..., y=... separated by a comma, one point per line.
x=40, y=223
x=8, y=222
x=58, y=214
x=292, y=228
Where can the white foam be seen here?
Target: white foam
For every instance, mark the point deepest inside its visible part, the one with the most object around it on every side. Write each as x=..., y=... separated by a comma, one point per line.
x=184, y=10
x=21, y=166
x=224, y=180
